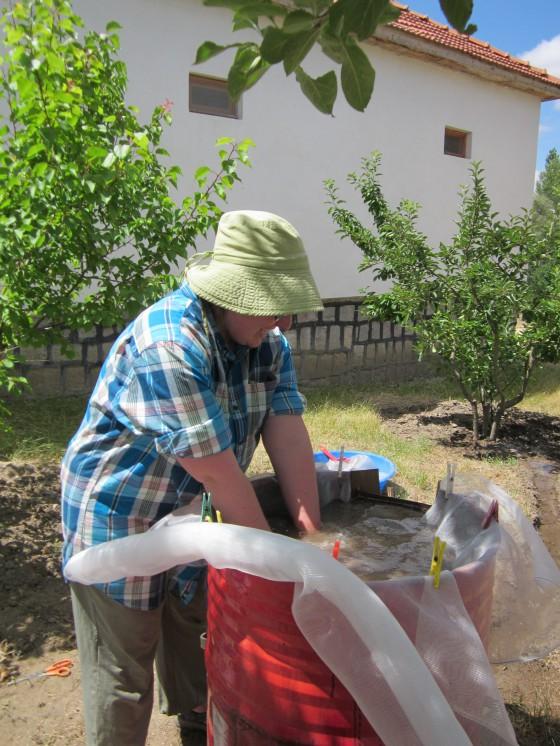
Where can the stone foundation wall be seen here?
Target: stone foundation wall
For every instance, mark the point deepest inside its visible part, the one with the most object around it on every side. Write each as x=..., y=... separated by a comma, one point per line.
x=339, y=345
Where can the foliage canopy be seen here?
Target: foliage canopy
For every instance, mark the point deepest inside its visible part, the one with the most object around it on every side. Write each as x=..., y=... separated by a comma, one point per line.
x=547, y=199
x=488, y=303
x=288, y=31
x=89, y=231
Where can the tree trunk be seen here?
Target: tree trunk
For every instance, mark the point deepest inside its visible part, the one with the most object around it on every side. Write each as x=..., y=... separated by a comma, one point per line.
x=486, y=418
x=496, y=422
x=474, y=408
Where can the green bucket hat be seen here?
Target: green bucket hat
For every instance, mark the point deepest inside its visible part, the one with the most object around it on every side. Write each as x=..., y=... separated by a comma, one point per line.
x=258, y=267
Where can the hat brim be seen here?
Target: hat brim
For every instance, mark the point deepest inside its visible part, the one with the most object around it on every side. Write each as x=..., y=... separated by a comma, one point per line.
x=255, y=292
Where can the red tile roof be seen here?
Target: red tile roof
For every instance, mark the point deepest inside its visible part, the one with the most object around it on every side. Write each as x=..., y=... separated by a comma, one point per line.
x=424, y=27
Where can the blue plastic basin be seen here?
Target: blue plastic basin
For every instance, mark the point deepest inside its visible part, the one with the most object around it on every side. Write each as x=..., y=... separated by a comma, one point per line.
x=387, y=468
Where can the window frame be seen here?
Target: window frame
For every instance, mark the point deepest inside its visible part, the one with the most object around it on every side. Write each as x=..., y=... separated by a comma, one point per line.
x=465, y=138
x=211, y=81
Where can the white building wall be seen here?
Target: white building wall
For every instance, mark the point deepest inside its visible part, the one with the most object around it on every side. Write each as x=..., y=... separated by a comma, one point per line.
x=297, y=147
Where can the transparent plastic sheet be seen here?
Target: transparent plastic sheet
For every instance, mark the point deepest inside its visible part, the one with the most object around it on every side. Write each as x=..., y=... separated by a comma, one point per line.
x=526, y=593
x=445, y=695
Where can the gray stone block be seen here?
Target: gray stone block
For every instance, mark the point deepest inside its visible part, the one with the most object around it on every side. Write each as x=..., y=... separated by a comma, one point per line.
x=329, y=313
x=291, y=336
x=303, y=318
x=305, y=339
x=339, y=363
x=335, y=343
x=320, y=338
x=309, y=366
x=364, y=332
x=347, y=313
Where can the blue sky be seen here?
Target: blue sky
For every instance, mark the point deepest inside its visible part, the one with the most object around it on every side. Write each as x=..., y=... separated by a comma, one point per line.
x=530, y=30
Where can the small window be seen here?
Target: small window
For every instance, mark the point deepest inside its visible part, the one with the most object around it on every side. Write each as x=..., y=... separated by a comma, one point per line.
x=457, y=142
x=210, y=96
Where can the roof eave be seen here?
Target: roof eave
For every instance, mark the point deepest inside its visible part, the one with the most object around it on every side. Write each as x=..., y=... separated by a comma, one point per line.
x=432, y=51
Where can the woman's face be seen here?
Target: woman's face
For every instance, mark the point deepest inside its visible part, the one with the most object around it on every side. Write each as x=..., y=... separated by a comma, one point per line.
x=251, y=330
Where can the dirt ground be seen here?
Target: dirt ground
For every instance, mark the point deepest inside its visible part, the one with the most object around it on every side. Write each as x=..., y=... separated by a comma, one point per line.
x=35, y=618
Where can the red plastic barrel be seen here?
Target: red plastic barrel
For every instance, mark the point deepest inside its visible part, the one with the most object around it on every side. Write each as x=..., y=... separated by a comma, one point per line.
x=266, y=685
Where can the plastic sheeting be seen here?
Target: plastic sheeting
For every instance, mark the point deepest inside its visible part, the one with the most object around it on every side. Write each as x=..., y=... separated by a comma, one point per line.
x=424, y=681
x=526, y=593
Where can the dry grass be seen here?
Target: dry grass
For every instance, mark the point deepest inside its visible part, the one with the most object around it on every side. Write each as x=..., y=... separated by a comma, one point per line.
x=534, y=722
x=544, y=391
x=350, y=417
x=40, y=430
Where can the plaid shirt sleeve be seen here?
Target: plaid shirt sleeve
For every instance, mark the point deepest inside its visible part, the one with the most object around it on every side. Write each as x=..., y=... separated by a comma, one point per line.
x=287, y=399
x=169, y=396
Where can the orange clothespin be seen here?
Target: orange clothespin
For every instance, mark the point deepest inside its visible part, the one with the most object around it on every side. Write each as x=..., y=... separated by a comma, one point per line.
x=336, y=549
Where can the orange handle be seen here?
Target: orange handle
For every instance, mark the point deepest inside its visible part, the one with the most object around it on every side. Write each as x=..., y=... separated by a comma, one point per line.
x=330, y=455
x=60, y=668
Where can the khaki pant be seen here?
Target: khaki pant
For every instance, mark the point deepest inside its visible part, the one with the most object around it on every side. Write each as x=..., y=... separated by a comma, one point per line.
x=117, y=647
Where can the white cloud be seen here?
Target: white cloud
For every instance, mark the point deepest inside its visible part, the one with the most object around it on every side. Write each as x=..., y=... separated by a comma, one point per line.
x=546, y=54
x=544, y=128
x=556, y=105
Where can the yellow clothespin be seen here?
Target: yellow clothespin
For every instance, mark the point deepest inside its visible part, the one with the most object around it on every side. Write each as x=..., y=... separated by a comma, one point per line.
x=437, y=559
x=219, y=516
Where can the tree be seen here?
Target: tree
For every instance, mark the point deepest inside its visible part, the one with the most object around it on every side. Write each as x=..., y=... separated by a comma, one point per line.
x=289, y=30
x=89, y=232
x=487, y=319
x=547, y=199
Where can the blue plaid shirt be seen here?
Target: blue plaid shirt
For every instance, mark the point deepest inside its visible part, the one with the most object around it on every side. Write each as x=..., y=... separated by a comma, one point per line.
x=169, y=387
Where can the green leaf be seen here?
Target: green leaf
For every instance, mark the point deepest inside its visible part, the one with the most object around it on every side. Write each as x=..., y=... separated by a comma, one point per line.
x=200, y=175
x=248, y=67
x=298, y=20
x=141, y=140
x=391, y=13
x=96, y=152
x=231, y=4
x=210, y=49
x=320, y=91
x=253, y=11
x=40, y=169
x=458, y=13
x=109, y=160
x=223, y=141
x=332, y=45
x=240, y=23
x=371, y=12
x=273, y=44
x=34, y=149
x=122, y=150
x=357, y=76
x=112, y=26
x=298, y=47
x=359, y=17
